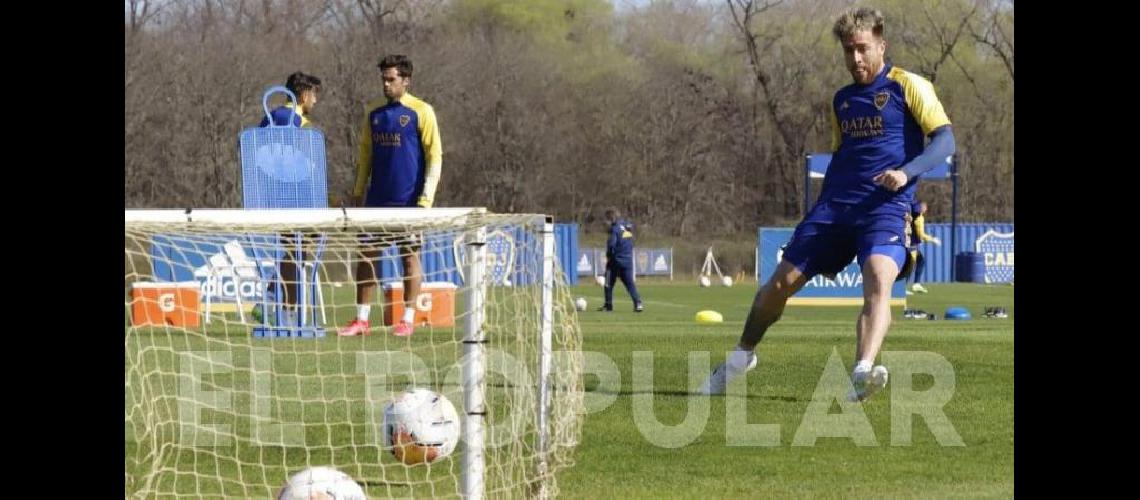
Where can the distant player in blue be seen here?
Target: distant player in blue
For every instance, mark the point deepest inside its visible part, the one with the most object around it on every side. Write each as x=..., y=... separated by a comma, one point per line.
x=305, y=88
x=917, y=232
x=619, y=260
x=880, y=124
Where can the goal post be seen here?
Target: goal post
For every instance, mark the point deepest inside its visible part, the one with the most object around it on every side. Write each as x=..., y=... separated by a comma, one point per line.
x=214, y=409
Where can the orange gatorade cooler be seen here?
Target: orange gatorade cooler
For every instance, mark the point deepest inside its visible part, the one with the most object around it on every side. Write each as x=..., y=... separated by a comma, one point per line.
x=165, y=304
x=434, y=307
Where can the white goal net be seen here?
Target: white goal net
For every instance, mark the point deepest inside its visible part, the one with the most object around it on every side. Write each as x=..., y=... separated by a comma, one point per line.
x=236, y=377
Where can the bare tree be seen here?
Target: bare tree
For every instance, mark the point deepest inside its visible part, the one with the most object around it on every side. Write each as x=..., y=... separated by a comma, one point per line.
x=931, y=39
x=691, y=117
x=996, y=32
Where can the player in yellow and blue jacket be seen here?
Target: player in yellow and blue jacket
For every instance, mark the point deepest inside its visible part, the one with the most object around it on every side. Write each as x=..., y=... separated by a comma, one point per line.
x=880, y=125
x=398, y=165
x=917, y=233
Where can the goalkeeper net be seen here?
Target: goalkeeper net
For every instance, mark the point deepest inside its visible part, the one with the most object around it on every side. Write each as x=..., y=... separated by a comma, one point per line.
x=235, y=377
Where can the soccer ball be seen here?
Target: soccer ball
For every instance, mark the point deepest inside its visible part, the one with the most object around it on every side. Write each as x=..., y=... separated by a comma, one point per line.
x=580, y=304
x=321, y=482
x=705, y=283
x=420, y=426
x=600, y=280
x=727, y=280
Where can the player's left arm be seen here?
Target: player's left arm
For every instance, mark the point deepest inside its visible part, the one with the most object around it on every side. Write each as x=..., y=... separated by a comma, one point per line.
x=433, y=151
x=940, y=147
x=928, y=112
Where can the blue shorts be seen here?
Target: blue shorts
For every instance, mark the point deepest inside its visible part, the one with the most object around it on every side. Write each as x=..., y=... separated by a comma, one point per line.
x=832, y=235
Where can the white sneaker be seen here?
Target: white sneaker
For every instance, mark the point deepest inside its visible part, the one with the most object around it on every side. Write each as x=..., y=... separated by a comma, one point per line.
x=917, y=287
x=868, y=383
x=718, y=379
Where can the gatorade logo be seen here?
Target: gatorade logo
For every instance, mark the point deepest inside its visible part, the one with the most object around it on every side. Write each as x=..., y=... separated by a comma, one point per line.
x=423, y=301
x=166, y=302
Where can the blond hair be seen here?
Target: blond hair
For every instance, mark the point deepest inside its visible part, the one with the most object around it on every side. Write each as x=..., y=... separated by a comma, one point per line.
x=861, y=19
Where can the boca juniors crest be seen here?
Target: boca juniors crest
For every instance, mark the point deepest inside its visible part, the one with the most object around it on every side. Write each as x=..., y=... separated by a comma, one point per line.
x=500, y=257
x=997, y=250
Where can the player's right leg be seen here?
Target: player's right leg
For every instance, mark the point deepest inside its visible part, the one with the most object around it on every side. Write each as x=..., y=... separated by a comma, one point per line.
x=367, y=278
x=817, y=247
x=767, y=306
x=919, y=267
x=291, y=268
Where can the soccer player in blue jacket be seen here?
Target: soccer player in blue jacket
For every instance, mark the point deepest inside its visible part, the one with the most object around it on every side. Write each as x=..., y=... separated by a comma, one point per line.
x=880, y=124
x=619, y=260
x=305, y=88
x=398, y=166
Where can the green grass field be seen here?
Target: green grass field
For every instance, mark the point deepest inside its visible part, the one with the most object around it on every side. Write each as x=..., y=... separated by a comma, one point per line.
x=614, y=458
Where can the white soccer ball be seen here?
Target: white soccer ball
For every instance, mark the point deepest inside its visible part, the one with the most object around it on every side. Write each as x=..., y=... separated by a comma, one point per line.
x=321, y=483
x=726, y=280
x=705, y=282
x=420, y=426
x=600, y=280
x=580, y=304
